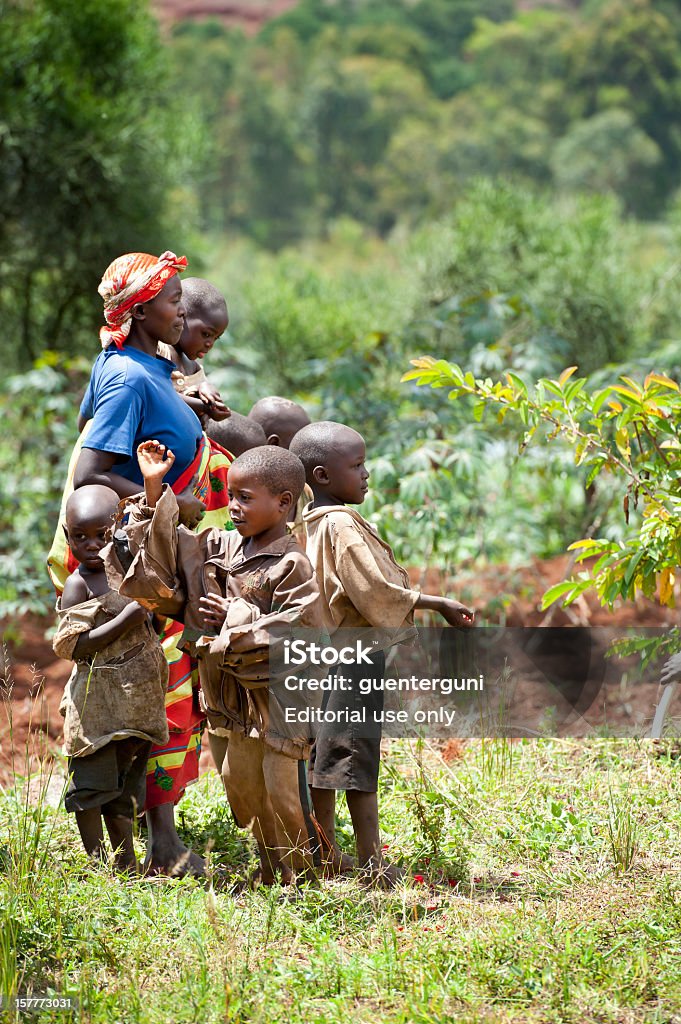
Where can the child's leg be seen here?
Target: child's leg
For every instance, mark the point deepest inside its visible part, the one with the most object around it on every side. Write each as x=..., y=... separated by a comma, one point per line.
x=218, y=750
x=242, y=775
x=264, y=829
x=91, y=832
x=348, y=758
x=296, y=835
x=120, y=834
x=363, y=807
x=324, y=804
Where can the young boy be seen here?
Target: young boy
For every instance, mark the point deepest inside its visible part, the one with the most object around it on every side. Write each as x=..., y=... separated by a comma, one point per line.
x=232, y=588
x=281, y=419
x=114, y=702
x=361, y=585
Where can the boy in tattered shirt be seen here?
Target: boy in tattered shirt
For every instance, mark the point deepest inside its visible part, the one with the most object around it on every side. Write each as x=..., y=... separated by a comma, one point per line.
x=361, y=586
x=114, y=701
x=232, y=589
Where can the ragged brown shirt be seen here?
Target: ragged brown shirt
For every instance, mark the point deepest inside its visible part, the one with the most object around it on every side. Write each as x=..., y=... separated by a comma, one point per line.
x=359, y=580
x=121, y=690
x=173, y=568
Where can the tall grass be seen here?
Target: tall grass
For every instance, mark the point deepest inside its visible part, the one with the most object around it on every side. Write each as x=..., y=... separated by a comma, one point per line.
x=544, y=921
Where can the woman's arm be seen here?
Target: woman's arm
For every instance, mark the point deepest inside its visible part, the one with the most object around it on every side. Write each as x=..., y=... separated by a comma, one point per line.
x=96, y=467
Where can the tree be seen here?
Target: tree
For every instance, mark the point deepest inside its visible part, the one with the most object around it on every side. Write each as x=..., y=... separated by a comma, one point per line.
x=608, y=153
x=91, y=141
x=633, y=47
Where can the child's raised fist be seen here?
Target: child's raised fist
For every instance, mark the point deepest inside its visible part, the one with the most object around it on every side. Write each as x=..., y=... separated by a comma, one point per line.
x=155, y=459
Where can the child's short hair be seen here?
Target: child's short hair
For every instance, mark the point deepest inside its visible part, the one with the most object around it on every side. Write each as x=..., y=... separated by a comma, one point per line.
x=200, y=297
x=277, y=416
x=274, y=467
x=238, y=434
x=92, y=499
x=315, y=443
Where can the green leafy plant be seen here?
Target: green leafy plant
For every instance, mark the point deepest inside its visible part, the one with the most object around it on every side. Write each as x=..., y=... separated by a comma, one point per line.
x=624, y=431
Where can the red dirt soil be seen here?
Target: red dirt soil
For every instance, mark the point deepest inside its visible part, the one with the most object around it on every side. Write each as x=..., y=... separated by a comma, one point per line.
x=248, y=15
x=33, y=679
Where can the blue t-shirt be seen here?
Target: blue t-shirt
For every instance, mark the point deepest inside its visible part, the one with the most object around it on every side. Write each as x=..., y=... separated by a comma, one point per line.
x=131, y=399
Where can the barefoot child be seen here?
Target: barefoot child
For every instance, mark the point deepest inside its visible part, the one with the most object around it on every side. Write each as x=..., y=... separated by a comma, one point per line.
x=232, y=588
x=361, y=585
x=114, y=702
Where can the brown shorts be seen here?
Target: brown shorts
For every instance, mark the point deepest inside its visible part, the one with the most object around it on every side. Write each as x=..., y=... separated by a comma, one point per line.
x=113, y=778
x=348, y=755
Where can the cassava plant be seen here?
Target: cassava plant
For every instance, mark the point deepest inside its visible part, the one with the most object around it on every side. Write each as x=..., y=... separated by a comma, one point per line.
x=624, y=433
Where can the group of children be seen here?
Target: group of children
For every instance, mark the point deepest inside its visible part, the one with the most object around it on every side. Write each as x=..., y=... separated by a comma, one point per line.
x=296, y=556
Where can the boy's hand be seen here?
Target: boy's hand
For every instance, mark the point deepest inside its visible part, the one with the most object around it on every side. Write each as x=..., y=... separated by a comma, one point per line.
x=212, y=399
x=191, y=510
x=155, y=459
x=455, y=613
x=671, y=670
x=213, y=609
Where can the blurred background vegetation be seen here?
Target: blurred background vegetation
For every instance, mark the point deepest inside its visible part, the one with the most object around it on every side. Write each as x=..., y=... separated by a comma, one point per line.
x=493, y=182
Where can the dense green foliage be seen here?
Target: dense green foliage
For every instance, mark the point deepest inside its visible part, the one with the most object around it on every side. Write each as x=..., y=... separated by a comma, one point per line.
x=88, y=155
x=385, y=110
x=623, y=429
x=334, y=325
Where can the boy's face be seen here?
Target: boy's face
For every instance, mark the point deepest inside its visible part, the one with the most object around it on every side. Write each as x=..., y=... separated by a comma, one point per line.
x=252, y=506
x=345, y=476
x=163, y=316
x=87, y=534
x=200, y=333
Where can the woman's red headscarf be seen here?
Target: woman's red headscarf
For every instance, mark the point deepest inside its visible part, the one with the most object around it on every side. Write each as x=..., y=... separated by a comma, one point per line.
x=131, y=279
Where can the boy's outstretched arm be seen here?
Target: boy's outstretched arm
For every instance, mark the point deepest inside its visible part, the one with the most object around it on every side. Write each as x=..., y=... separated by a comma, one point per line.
x=455, y=613
x=155, y=459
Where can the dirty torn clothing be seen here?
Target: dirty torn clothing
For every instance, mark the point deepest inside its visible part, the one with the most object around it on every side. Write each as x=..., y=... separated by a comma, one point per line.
x=362, y=587
x=113, y=779
x=116, y=693
x=173, y=568
x=360, y=582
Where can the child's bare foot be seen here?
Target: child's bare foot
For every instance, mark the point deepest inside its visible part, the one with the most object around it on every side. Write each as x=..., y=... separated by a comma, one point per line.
x=175, y=860
x=266, y=876
x=380, y=874
x=336, y=863
x=124, y=866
